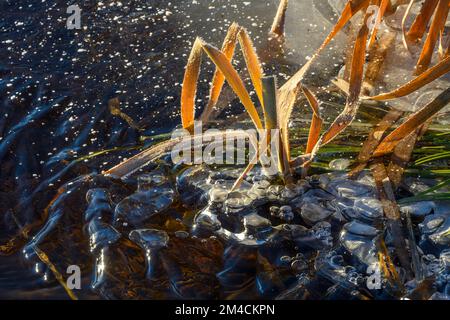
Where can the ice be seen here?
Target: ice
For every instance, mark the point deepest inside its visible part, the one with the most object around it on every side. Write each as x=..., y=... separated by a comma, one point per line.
x=339, y=164
x=151, y=180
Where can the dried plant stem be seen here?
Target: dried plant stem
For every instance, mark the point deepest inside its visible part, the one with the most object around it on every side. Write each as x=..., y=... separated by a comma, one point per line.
x=391, y=212
x=416, y=263
x=356, y=79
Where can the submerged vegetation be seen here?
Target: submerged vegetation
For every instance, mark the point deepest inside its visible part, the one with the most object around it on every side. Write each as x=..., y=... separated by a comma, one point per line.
x=372, y=215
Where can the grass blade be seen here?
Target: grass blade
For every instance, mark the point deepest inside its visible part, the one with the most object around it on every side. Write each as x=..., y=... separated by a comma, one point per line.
x=377, y=57
x=413, y=122
x=445, y=196
x=391, y=211
x=381, y=11
x=437, y=187
x=271, y=122
x=141, y=159
x=405, y=17
x=277, y=28
x=437, y=156
x=402, y=155
x=313, y=144
x=373, y=140
x=316, y=122
x=252, y=62
x=269, y=91
x=228, y=48
x=420, y=24
x=189, y=90
x=356, y=79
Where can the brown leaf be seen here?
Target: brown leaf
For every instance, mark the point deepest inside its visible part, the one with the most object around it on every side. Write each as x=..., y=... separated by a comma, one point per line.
x=280, y=19
x=228, y=48
x=391, y=212
x=436, y=27
x=420, y=24
x=425, y=78
x=189, y=89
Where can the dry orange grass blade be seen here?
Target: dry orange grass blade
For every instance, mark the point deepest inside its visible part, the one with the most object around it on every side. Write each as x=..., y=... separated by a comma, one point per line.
x=155, y=152
x=391, y=212
x=228, y=48
x=264, y=147
x=420, y=24
x=425, y=78
x=405, y=17
x=136, y=162
x=388, y=268
x=280, y=18
x=315, y=128
x=252, y=62
x=356, y=79
x=241, y=178
x=402, y=155
x=373, y=140
x=377, y=57
x=189, y=89
x=234, y=80
x=352, y=7
x=436, y=27
x=46, y=260
x=412, y=123
x=317, y=121
x=381, y=11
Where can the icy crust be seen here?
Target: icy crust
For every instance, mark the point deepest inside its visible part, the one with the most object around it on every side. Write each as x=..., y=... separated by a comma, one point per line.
x=181, y=233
